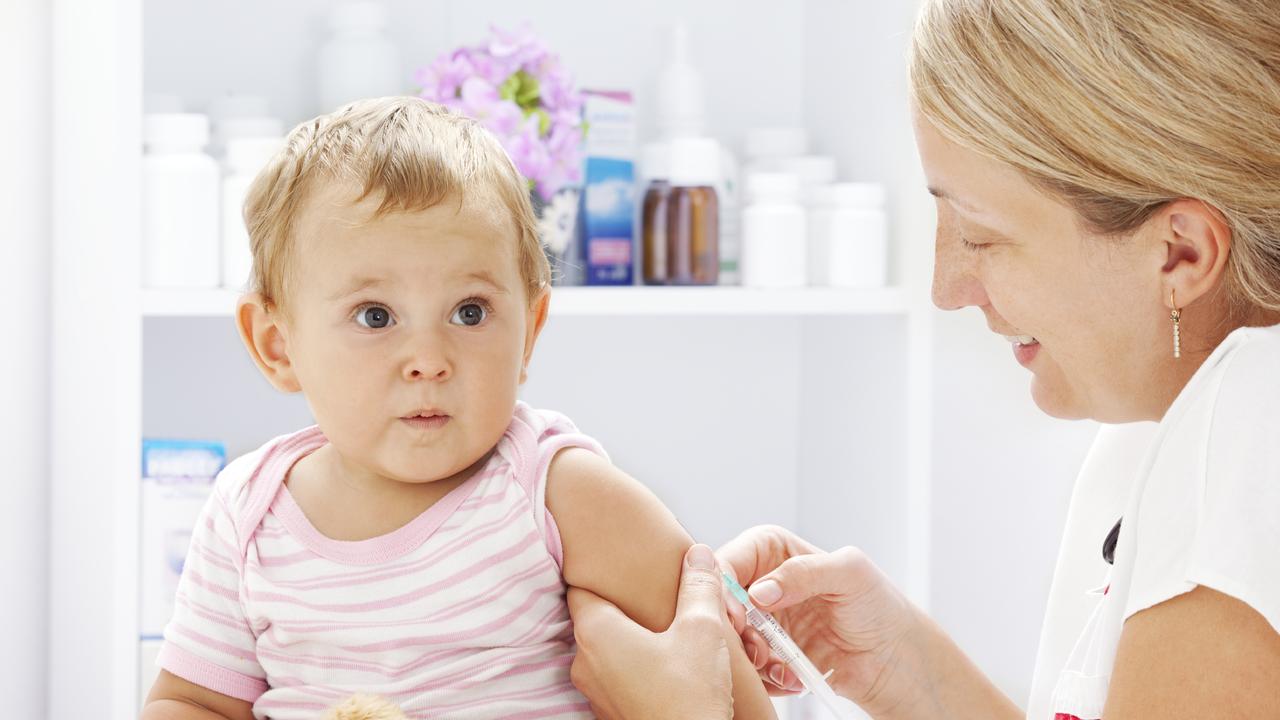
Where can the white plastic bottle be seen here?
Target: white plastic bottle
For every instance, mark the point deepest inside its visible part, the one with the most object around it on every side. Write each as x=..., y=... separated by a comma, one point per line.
x=773, y=232
x=849, y=236
x=180, y=203
x=245, y=158
x=359, y=60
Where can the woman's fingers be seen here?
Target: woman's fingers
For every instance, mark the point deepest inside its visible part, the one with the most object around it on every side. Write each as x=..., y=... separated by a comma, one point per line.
x=779, y=676
x=757, y=648
x=760, y=549
x=843, y=573
x=593, y=616
x=597, y=621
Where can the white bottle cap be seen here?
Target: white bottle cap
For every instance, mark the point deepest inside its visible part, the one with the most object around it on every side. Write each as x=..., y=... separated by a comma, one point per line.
x=175, y=131
x=359, y=15
x=776, y=142
x=695, y=162
x=680, y=99
x=849, y=195
x=767, y=187
x=251, y=154
x=655, y=161
x=812, y=169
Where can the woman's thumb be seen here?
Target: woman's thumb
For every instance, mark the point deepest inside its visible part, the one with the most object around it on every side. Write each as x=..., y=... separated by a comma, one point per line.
x=700, y=585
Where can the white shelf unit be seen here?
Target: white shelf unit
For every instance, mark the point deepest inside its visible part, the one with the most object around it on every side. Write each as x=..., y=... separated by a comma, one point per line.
x=809, y=408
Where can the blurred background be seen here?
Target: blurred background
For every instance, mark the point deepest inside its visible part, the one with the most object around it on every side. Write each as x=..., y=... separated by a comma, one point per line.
x=810, y=383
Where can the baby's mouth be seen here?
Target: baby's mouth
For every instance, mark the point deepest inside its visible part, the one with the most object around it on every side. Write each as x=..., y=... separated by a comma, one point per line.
x=426, y=420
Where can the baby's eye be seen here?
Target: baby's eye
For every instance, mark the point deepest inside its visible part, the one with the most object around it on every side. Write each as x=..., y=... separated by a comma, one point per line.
x=469, y=314
x=374, y=317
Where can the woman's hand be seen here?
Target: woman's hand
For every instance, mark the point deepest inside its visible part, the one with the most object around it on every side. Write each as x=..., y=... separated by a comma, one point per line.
x=838, y=607
x=627, y=671
x=888, y=657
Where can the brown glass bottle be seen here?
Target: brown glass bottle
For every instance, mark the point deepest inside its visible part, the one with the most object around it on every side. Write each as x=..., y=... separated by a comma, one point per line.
x=693, y=212
x=693, y=236
x=653, y=233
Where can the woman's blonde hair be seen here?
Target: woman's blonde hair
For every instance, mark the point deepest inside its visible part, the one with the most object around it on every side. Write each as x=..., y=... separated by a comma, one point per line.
x=1119, y=107
x=405, y=152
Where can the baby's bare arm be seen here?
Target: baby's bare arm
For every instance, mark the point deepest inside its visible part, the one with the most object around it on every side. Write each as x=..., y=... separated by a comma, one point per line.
x=621, y=543
x=172, y=698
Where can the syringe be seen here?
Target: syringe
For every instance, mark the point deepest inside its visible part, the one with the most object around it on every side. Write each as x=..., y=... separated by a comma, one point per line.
x=786, y=648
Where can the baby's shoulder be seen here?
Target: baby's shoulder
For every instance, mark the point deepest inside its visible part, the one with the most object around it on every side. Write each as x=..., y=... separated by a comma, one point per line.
x=533, y=432
x=245, y=488
x=540, y=424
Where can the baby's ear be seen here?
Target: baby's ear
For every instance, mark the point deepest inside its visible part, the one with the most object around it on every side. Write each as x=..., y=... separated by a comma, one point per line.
x=263, y=332
x=538, y=310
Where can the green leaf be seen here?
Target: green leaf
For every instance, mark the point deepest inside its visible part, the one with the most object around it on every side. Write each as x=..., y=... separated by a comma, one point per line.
x=527, y=91
x=544, y=121
x=510, y=87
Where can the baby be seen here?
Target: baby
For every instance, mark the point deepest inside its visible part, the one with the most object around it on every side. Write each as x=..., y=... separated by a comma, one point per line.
x=418, y=542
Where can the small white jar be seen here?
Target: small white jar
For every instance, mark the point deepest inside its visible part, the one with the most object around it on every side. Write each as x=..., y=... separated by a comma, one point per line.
x=848, y=236
x=773, y=232
x=180, y=203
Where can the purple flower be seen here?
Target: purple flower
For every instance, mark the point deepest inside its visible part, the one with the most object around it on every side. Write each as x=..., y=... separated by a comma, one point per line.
x=442, y=79
x=480, y=100
x=556, y=86
x=520, y=47
x=564, y=160
x=530, y=155
x=538, y=121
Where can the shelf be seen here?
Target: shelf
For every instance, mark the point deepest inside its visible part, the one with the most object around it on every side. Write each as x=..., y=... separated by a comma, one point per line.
x=614, y=301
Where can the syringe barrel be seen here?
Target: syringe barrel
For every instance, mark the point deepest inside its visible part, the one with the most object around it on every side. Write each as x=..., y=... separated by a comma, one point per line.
x=781, y=643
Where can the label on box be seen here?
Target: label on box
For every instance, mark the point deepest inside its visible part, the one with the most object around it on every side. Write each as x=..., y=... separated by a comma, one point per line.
x=178, y=479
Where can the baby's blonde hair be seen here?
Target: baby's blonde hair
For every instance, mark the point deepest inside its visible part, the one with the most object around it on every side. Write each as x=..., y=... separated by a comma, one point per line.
x=1119, y=107
x=406, y=152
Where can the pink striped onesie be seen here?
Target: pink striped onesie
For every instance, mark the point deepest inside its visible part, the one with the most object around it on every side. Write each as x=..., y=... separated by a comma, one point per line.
x=459, y=614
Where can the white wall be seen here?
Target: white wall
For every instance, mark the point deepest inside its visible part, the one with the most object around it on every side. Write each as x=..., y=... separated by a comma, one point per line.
x=1003, y=477
x=25, y=57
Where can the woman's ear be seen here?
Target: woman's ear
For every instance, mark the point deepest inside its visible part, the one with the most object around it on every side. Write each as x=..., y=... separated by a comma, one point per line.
x=263, y=333
x=1197, y=241
x=538, y=310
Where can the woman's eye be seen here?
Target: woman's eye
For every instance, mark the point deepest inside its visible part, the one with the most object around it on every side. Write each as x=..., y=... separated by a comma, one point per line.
x=374, y=317
x=469, y=314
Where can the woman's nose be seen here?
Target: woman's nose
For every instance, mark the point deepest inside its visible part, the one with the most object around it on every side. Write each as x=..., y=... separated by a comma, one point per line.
x=955, y=279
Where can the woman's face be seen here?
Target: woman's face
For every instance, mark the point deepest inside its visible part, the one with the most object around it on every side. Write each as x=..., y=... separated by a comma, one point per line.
x=1083, y=313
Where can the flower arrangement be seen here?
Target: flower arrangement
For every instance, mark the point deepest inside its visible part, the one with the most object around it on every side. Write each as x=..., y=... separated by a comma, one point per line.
x=520, y=92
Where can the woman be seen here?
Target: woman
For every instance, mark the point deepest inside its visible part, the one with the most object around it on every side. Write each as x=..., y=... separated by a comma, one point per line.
x=1107, y=175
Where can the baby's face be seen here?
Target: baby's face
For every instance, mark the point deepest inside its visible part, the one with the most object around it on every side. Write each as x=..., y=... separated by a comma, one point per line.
x=409, y=333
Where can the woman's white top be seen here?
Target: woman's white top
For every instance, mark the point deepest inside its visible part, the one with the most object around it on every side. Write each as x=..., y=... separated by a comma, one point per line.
x=1200, y=497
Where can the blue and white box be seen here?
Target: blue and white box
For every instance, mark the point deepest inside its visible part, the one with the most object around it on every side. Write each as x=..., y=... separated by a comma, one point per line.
x=177, y=479
x=608, y=198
